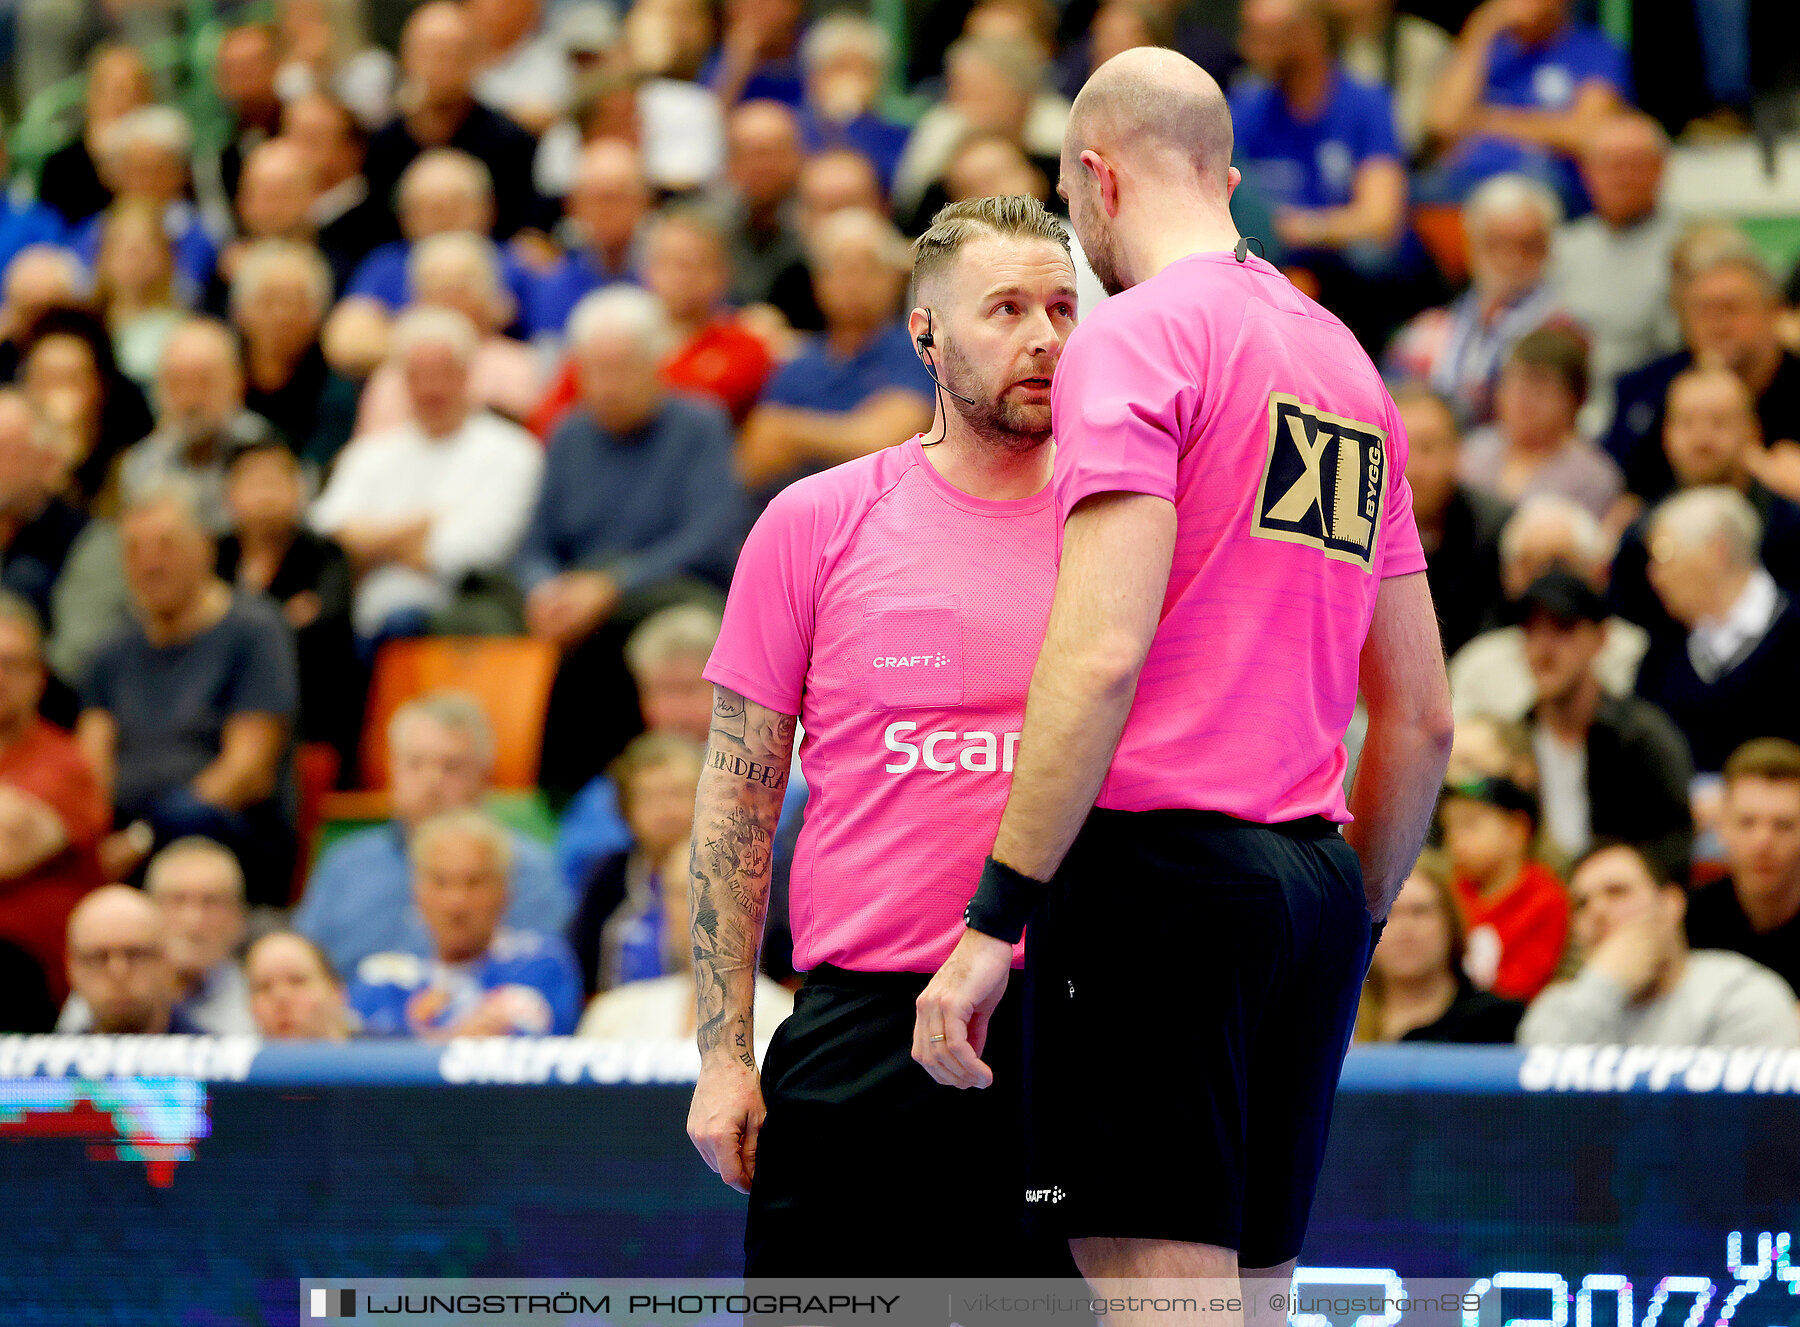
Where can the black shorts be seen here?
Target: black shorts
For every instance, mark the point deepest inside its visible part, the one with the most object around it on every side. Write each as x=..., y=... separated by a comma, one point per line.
x=1192, y=983
x=866, y=1167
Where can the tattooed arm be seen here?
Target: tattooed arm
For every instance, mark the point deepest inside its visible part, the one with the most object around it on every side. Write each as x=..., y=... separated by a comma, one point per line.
x=735, y=815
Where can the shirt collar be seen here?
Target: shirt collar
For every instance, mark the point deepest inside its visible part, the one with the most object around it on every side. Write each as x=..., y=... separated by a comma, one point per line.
x=1716, y=644
x=338, y=200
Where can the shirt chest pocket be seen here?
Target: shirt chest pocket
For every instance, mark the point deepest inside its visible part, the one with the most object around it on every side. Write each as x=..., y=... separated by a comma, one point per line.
x=912, y=651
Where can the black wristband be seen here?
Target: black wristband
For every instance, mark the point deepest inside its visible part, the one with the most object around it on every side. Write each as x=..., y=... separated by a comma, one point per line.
x=1003, y=901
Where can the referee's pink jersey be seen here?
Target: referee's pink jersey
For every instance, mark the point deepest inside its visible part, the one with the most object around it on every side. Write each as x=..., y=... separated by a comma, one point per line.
x=1217, y=385
x=899, y=617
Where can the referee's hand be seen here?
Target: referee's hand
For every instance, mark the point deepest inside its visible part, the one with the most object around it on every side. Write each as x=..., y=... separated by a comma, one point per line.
x=725, y=1118
x=951, y=1029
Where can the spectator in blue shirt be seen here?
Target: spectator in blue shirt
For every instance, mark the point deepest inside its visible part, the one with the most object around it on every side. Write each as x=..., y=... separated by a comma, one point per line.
x=147, y=157
x=628, y=927
x=359, y=902
x=756, y=59
x=23, y=220
x=188, y=712
x=846, y=58
x=859, y=386
x=1322, y=146
x=479, y=978
x=1524, y=88
x=639, y=509
x=608, y=199
x=444, y=190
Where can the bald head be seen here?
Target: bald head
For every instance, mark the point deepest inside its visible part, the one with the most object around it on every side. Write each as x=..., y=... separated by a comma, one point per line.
x=1149, y=101
x=118, y=962
x=1146, y=166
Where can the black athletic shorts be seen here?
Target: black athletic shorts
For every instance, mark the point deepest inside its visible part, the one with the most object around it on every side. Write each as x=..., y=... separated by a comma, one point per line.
x=1192, y=983
x=866, y=1167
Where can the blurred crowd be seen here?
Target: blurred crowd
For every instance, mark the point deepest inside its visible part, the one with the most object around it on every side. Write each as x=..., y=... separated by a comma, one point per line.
x=329, y=327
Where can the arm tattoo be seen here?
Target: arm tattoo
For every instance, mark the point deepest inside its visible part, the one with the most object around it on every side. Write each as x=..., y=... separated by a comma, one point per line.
x=735, y=815
x=728, y=713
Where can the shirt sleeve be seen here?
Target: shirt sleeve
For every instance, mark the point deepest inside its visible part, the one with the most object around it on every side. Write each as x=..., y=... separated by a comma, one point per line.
x=373, y=279
x=72, y=791
x=1123, y=399
x=1756, y=1010
x=540, y=899
x=59, y=777
x=1534, y=948
x=97, y=689
x=788, y=386
x=484, y=517
x=1380, y=139
x=710, y=505
x=351, y=477
x=267, y=678
x=766, y=639
x=315, y=917
x=1607, y=61
x=1402, y=554
x=1590, y=1010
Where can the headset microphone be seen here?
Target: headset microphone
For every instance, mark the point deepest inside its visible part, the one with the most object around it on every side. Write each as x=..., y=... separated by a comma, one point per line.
x=1243, y=248
x=925, y=342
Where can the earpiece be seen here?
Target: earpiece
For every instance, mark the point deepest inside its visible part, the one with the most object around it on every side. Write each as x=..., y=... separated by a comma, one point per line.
x=925, y=342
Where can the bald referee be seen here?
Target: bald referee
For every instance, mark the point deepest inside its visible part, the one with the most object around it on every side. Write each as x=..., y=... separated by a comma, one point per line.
x=1238, y=557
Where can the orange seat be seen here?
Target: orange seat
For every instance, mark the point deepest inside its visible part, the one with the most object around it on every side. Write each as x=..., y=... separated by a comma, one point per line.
x=1439, y=227
x=509, y=675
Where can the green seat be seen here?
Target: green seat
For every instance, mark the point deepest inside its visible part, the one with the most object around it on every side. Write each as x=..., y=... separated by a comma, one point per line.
x=527, y=812
x=1778, y=237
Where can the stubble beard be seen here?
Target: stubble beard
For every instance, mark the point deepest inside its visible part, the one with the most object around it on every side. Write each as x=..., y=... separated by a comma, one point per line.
x=996, y=422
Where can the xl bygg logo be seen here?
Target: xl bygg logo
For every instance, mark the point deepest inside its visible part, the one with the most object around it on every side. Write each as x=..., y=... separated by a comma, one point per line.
x=1323, y=482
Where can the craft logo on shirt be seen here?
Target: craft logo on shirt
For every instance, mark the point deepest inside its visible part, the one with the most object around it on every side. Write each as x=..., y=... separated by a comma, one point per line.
x=1322, y=483
x=911, y=660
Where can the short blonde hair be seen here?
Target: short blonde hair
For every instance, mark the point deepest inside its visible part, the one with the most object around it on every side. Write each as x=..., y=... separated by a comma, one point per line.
x=1701, y=515
x=465, y=822
x=458, y=711
x=684, y=631
x=434, y=327
x=1013, y=217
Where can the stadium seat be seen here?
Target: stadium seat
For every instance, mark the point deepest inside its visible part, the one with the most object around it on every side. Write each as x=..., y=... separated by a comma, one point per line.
x=1439, y=227
x=315, y=771
x=509, y=675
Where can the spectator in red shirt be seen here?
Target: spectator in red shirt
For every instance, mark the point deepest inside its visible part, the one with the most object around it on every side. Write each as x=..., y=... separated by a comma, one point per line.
x=1516, y=909
x=688, y=267
x=52, y=812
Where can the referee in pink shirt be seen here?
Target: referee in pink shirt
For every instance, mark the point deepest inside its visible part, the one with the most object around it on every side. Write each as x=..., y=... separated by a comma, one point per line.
x=1238, y=558
x=895, y=605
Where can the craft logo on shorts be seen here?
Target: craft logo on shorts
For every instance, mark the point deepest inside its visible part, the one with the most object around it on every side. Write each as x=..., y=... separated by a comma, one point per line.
x=1322, y=483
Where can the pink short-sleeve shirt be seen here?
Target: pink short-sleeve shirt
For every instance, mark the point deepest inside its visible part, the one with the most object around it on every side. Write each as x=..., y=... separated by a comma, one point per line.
x=1217, y=385
x=899, y=618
